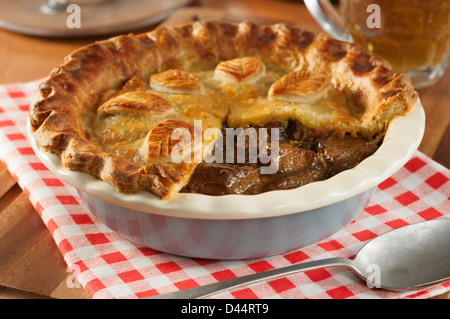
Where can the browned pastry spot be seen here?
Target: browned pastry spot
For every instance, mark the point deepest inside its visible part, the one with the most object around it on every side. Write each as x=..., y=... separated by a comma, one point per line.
x=137, y=103
x=176, y=81
x=246, y=70
x=301, y=87
x=160, y=141
x=113, y=77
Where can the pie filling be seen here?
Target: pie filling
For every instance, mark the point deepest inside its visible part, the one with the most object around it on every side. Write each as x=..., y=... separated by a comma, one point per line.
x=140, y=120
x=304, y=156
x=217, y=108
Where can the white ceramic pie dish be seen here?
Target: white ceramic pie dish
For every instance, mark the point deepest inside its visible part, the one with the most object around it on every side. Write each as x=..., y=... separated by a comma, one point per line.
x=245, y=226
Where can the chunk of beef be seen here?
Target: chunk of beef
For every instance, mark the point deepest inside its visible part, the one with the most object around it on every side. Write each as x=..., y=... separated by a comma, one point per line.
x=294, y=158
x=342, y=153
x=296, y=178
x=221, y=179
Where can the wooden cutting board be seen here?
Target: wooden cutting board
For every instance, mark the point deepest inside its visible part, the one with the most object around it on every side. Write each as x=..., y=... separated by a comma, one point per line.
x=31, y=265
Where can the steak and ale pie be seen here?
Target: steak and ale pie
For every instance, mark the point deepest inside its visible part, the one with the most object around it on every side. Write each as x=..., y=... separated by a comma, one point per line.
x=148, y=112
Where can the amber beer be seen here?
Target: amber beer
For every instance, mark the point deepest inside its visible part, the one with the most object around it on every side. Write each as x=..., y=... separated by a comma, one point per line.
x=412, y=34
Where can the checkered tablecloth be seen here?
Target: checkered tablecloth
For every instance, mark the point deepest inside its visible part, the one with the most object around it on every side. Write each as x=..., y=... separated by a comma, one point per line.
x=109, y=266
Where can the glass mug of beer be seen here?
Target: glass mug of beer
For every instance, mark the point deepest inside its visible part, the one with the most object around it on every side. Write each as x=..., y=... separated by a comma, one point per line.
x=413, y=35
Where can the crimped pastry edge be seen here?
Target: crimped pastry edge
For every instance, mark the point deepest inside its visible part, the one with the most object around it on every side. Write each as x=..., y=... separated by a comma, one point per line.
x=92, y=71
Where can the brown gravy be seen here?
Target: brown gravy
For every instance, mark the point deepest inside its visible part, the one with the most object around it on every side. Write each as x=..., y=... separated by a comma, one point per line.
x=305, y=155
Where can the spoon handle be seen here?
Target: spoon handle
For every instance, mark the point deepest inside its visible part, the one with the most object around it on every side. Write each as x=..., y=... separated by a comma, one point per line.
x=211, y=289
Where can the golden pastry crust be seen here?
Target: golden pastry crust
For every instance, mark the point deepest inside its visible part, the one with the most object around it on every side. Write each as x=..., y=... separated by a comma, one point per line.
x=300, y=87
x=89, y=77
x=176, y=81
x=164, y=139
x=240, y=70
x=137, y=103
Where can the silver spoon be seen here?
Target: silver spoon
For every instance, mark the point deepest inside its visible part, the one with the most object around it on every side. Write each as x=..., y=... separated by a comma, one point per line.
x=407, y=258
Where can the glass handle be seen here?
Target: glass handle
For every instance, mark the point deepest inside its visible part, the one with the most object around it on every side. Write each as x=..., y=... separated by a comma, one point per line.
x=329, y=19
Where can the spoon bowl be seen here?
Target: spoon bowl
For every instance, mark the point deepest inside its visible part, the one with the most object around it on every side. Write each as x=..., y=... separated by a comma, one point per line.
x=407, y=258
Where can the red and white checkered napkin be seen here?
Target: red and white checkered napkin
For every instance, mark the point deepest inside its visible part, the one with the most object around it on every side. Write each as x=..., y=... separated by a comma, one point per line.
x=109, y=266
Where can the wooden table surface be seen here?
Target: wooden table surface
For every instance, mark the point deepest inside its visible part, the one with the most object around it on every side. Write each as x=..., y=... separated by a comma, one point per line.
x=31, y=265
